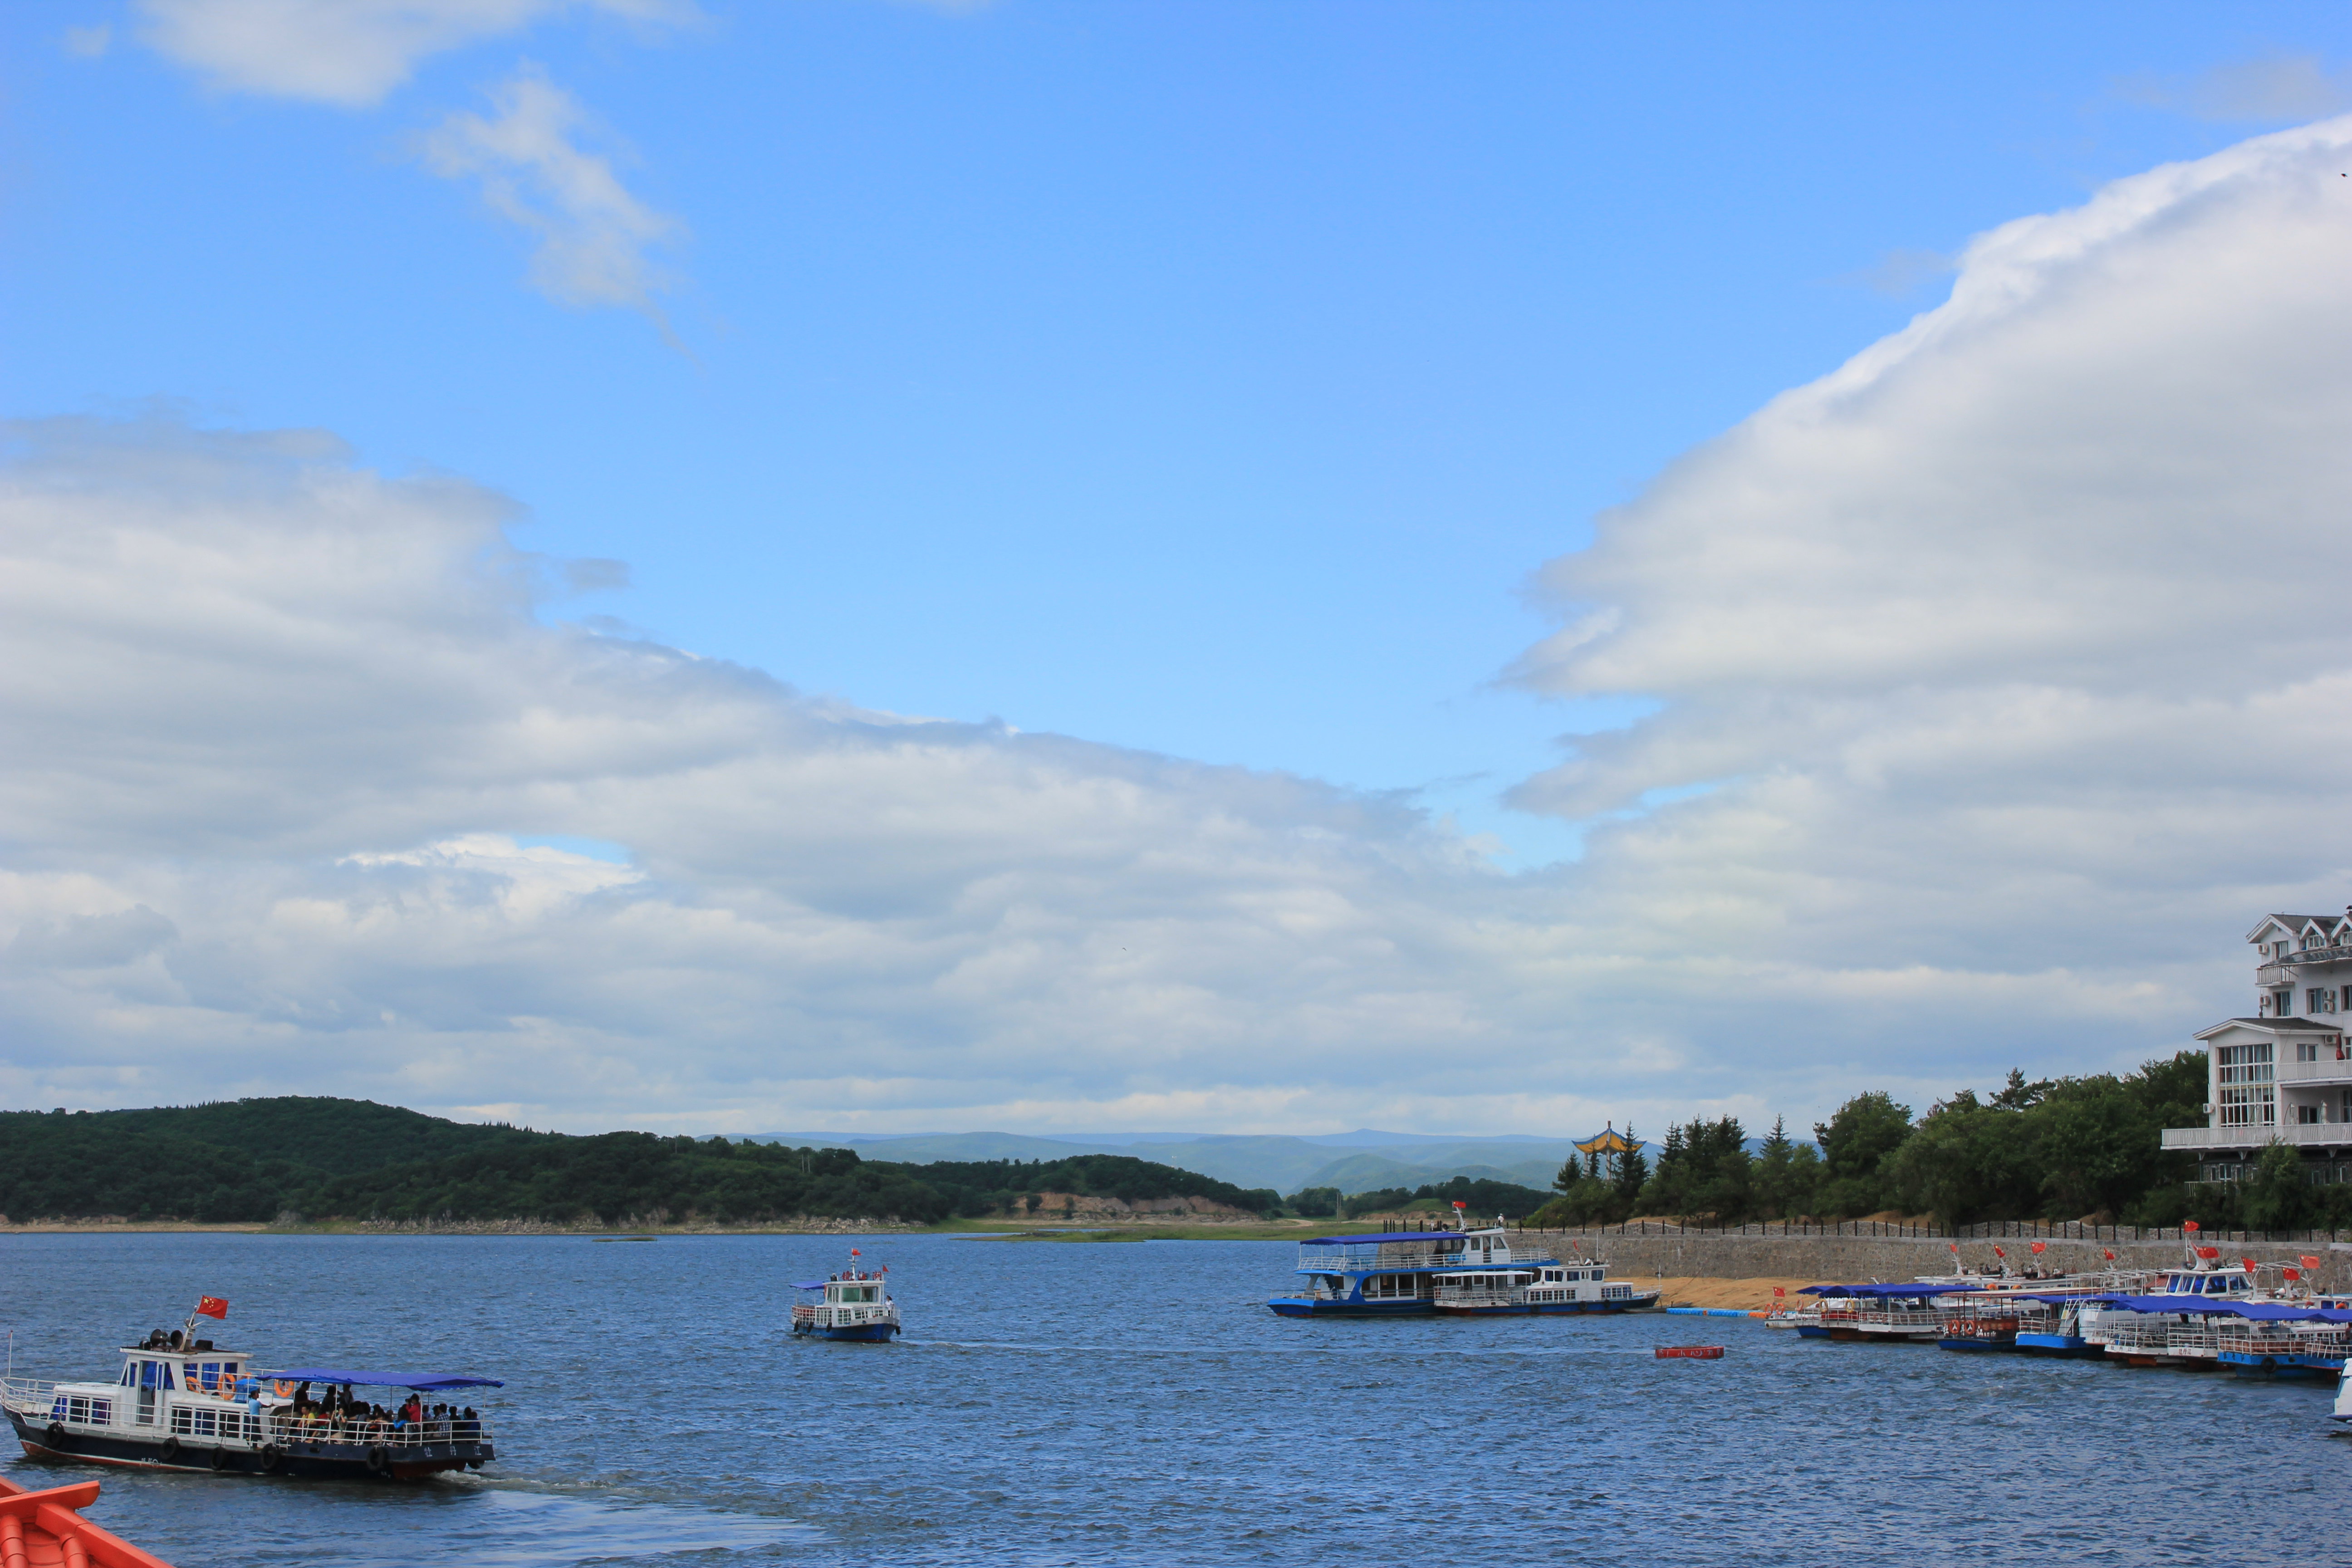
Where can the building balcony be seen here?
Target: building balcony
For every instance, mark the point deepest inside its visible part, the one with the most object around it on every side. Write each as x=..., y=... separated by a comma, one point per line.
x=2309, y=955
x=2330, y=1069
x=2302, y=1135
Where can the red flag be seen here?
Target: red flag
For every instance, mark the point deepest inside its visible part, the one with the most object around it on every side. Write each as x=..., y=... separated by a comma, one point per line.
x=2208, y=1252
x=2040, y=1245
x=1460, y=1205
x=2250, y=1263
x=211, y=1306
x=1997, y=1252
x=853, y=1252
x=1780, y=1292
x=2291, y=1273
x=2190, y=1224
x=2110, y=1252
x=2309, y=1261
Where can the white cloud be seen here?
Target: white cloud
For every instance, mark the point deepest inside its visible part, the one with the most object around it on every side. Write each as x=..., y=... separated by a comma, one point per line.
x=2013, y=651
x=594, y=235
x=2268, y=87
x=2016, y=645
x=347, y=52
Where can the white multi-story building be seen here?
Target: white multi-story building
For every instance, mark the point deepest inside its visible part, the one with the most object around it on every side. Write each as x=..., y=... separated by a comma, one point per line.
x=2286, y=1074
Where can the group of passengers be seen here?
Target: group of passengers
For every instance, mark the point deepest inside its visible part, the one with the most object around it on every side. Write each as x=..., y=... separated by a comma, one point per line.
x=337, y=1417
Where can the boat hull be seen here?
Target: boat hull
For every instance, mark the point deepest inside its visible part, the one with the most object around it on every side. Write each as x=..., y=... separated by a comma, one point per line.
x=857, y=1333
x=2057, y=1345
x=344, y=1462
x=1556, y=1308
x=1312, y=1307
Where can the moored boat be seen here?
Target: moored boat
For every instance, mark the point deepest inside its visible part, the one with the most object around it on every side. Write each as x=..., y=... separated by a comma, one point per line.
x=182, y=1403
x=1904, y=1312
x=1507, y=1281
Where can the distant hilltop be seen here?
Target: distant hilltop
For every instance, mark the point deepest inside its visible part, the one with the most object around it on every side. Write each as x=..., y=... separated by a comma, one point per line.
x=1357, y=1161
x=309, y=1160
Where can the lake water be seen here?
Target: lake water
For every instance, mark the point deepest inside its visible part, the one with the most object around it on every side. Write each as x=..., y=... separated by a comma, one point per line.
x=1059, y=1402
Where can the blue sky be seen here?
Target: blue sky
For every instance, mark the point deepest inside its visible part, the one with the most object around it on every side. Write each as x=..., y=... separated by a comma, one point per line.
x=1204, y=378
x=1468, y=568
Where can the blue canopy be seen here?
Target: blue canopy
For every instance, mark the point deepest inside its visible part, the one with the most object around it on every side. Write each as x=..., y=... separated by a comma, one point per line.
x=1882, y=1292
x=811, y=1285
x=1383, y=1236
x=2207, y=1306
x=423, y=1382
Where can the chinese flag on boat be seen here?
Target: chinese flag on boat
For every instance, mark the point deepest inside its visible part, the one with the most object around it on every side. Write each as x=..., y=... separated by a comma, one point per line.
x=2208, y=1252
x=2291, y=1273
x=1780, y=1292
x=2040, y=1245
x=211, y=1306
x=2309, y=1261
x=2110, y=1252
x=1997, y=1252
x=2250, y=1263
x=2190, y=1224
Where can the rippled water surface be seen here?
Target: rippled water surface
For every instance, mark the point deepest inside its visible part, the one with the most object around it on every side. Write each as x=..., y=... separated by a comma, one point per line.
x=1060, y=1402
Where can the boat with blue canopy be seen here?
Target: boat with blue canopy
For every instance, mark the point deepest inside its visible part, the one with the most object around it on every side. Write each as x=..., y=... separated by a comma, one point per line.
x=180, y=1402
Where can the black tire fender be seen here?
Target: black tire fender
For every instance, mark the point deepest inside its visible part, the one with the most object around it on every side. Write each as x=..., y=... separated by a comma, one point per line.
x=171, y=1450
x=378, y=1459
x=56, y=1435
x=220, y=1460
x=272, y=1456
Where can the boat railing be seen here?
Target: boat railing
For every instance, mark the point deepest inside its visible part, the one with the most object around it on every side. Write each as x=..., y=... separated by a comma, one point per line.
x=223, y=1421
x=1480, y=1296
x=1382, y=1254
x=847, y=1316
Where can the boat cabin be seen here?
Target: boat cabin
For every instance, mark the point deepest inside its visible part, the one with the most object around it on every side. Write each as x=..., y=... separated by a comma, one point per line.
x=191, y=1391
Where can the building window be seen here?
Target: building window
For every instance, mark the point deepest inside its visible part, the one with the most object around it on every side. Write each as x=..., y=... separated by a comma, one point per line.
x=2307, y=1051
x=2282, y=1003
x=2305, y=1115
x=2245, y=1075
x=2319, y=999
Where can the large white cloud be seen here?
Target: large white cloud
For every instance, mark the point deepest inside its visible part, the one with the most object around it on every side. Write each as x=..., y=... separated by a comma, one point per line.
x=2006, y=663
x=2015, y=649
x=275, y=719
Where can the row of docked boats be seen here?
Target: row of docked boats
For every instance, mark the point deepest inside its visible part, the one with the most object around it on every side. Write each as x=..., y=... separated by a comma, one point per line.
x=2246, y=1317
x=1466, y=1273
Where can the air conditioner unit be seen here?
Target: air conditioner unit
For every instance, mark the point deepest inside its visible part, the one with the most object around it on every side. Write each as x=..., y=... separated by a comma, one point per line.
x=2207, y=1108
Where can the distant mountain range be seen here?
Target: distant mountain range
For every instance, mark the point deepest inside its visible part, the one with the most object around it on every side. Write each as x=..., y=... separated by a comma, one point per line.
x=1360, y=1161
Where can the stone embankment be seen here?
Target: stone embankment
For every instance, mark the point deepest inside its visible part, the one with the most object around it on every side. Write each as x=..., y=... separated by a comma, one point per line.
x=1822, y=1260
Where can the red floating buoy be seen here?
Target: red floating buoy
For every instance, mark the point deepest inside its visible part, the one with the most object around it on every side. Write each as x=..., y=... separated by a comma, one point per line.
x=1690, y=1353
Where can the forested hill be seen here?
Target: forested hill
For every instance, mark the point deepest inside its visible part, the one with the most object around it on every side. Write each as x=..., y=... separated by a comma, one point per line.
x=263, y=1159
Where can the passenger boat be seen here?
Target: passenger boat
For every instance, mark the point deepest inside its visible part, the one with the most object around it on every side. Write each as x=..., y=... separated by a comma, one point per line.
x=1905, y=1312
x=1504, y=1282
x=180, y=1403
x=852, y=1305
x=41, y=1528
x=1458, y=1273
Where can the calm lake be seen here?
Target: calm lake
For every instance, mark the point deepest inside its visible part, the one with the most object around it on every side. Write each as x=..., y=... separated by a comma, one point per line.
x=1137, y=1404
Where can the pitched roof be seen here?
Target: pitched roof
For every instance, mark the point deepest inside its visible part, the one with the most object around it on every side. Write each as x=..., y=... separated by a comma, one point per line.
x=2295, y=922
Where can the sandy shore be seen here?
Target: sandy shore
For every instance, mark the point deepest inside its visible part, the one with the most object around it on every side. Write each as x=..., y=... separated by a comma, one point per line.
x=1747, y=1295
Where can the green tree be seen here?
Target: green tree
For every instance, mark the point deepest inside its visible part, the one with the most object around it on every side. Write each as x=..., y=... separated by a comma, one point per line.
x=1966, y=1161
x=1855, y=1141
